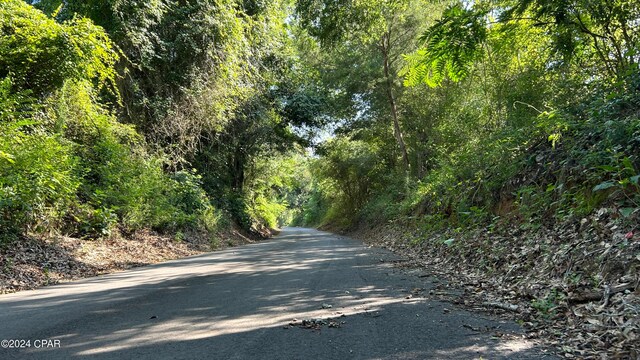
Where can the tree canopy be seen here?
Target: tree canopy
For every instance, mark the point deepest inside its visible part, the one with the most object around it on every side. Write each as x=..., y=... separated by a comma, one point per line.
x=180, y=115
x=443, y=119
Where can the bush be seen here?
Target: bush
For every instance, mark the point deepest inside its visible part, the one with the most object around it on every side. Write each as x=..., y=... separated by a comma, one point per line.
x=41, y=54
x=37, y=169
x=38, y=181
x=77, y=169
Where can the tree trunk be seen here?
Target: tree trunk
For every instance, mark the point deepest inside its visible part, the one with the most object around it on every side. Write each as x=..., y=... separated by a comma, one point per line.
x=237, y=171
x=397, y=131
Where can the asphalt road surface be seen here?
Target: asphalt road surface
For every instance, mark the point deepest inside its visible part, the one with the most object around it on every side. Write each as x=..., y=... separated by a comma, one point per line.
x=238, y=304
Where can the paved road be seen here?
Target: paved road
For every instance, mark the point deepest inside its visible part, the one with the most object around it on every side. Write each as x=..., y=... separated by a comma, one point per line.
x=237, y=304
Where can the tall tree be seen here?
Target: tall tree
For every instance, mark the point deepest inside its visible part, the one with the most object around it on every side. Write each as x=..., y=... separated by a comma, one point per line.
x=387, y=27
x=599, y=35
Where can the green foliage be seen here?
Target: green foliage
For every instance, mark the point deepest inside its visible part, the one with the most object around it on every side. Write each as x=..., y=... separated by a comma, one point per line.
x=14, y=105
x=332, y=21
x=451, y=46
x=536, y=123
x=40, y=54
x=206, y=105
x=67, y=163
x=579, y=31
x=547, y=307
x=313, y=212
x=170, y=48
x=92, y=222
x=37, y=179
x=347, y=175
x=276, y=189
x=582, y=28
x=120, y=176
x=45, y=186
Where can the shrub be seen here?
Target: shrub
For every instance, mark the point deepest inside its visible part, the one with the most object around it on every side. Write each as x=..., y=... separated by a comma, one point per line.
x=41, y=54
x=37, y=169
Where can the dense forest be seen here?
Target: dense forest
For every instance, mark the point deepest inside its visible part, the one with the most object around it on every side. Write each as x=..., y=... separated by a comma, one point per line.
x=467, y=128
x=175, y=116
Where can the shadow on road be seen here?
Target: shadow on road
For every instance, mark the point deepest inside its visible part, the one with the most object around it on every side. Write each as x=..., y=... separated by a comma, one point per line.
x=237, y=304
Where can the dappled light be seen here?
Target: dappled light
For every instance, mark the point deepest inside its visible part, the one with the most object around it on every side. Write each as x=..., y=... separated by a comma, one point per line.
x=259, y=291
x=492, y=145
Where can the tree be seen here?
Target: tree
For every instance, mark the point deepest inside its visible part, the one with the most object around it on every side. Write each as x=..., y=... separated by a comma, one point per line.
x=39, y=54
x=387, y=26
x=579, y=31
x=166, y=46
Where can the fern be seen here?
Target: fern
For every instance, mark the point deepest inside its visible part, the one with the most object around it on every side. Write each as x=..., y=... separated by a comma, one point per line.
x=450, y=47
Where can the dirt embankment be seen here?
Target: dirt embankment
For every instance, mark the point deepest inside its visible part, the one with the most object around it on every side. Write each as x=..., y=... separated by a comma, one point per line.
x=574, y=284
x=33, y=262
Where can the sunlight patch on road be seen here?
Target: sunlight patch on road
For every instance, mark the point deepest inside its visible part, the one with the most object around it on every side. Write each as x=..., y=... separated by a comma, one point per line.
x=196, y=328
x=505, y=347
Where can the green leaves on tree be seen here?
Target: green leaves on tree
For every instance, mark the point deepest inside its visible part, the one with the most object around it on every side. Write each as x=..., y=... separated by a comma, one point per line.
x=39, y=54
x=450, y=47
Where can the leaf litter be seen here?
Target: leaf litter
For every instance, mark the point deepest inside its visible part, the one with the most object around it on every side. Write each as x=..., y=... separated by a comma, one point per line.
x=32, y=262
x=573, y=285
